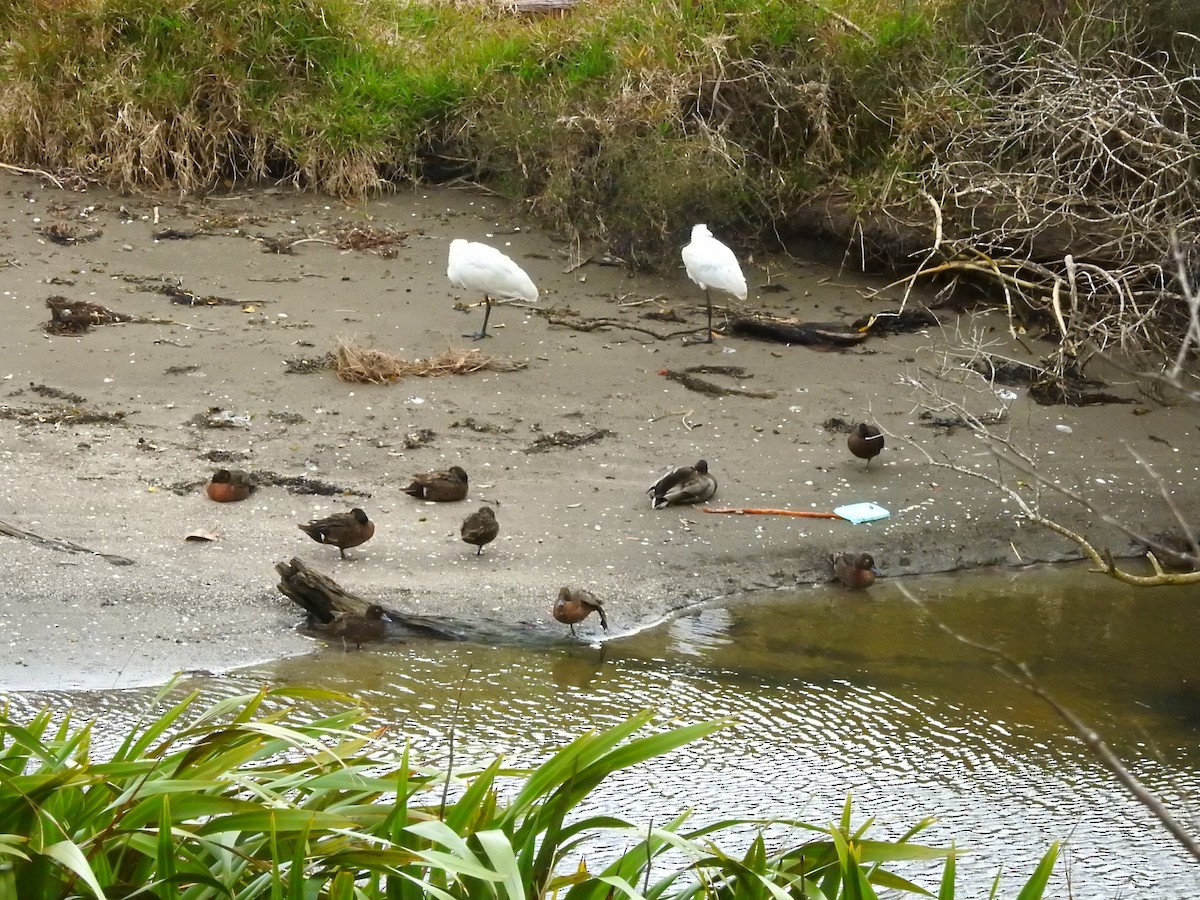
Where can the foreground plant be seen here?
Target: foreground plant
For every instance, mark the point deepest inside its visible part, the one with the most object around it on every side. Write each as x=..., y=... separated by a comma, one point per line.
x=244, y=798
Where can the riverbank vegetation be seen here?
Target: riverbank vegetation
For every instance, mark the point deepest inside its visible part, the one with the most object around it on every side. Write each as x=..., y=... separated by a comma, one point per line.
x=247, y=798
x=1041, y=155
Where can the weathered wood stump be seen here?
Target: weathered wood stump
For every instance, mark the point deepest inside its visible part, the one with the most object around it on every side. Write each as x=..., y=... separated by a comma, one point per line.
x=324, y=600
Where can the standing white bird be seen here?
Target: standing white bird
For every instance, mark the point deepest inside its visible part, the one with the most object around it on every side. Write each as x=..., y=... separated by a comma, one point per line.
x=478, y=267
x=711, y=264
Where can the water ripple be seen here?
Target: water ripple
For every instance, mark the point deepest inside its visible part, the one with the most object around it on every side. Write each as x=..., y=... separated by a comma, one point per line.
x=867, y=699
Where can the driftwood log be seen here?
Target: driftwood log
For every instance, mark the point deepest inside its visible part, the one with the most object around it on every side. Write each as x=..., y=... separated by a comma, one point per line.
x=323, y=599
x=808, y=335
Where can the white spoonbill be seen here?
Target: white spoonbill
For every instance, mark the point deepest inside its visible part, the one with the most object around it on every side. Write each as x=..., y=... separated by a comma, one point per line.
x=711, y=264
x=484, y=269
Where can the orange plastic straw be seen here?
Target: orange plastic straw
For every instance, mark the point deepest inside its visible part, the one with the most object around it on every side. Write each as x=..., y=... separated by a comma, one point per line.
x=757, y=511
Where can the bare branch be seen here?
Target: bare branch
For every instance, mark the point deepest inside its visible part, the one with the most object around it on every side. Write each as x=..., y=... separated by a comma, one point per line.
x=1069, y=194
x=1007, y=455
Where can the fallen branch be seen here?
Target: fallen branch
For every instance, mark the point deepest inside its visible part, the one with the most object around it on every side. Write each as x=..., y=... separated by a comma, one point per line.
x=41, y=173
x=323, y=599
x=60, y=544
x=700, y=386
x=1103, y=562
x=793, y=333
x=597, y=324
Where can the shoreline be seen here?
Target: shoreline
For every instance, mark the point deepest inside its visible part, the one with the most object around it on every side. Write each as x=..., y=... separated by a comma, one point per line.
x=131, y=483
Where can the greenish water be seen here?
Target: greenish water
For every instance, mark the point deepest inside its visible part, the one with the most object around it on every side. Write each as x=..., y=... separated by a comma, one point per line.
x=835, y=692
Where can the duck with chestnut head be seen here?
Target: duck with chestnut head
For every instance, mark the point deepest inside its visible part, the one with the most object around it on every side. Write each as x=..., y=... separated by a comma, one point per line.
x=573, y=605
x=229, y=486
x=855, y=570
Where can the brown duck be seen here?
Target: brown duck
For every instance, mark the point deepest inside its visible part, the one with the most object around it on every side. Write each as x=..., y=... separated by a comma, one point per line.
x=443, y=487
x=574, y=606
x=342, y=530
x=855, y=570
x=228, y=486
x=686, y=484
x=359, y=628
x=865, y=442
x=480, y=528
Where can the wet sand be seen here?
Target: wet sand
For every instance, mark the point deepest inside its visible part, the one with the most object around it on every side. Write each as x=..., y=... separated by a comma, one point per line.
x=131, y=483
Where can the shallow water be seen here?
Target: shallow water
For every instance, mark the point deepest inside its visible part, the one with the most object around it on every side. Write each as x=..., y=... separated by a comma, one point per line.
x=834, y=693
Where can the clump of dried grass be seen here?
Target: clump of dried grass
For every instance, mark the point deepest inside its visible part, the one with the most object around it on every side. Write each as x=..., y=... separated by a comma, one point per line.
x=365, y=365
x=370, y=238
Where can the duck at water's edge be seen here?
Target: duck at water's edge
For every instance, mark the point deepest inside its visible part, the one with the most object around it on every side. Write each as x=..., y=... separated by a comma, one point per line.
x=572, y=606
x=855, y=570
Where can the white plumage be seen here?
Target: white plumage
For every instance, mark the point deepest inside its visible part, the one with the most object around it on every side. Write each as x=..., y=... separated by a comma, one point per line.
x=712, y=265
x=485, y=270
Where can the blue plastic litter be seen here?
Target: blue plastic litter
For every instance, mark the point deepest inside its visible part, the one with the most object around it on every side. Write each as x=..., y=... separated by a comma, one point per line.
x=862, y=512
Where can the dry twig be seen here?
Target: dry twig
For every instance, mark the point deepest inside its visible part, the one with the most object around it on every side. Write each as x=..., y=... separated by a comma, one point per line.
x=1069, y=194
x=1007, y=454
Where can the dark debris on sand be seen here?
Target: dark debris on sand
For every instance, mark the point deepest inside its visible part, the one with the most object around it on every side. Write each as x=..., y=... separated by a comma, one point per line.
x=68, y=235
x=295, y=484
x=78, y=316
x=307, y=365
x=563, y=440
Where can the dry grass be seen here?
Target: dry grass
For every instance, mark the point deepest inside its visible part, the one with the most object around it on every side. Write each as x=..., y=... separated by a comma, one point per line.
x=364, y=365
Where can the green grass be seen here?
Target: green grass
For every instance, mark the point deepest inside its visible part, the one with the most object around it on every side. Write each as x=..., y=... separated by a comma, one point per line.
x=246, y=799
x=150, y=92
x=623, y=121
